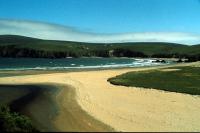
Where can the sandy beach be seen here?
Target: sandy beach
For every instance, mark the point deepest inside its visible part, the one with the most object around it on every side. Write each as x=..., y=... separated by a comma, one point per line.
x=119, y=107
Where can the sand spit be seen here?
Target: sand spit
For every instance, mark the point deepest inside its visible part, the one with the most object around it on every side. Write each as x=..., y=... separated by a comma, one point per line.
x=123, y=108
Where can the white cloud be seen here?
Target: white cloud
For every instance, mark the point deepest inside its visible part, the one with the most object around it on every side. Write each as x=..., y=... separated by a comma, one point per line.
x=58, y=32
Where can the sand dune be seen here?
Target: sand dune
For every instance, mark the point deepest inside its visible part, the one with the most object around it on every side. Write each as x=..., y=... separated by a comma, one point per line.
x=123, y=108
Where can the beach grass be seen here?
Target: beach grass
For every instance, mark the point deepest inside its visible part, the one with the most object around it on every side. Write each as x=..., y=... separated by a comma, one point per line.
x=14, y=122
x=177, y=79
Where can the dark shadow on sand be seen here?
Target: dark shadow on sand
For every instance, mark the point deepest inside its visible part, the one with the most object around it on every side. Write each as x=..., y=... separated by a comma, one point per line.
x=39, y=102
x=35, y=101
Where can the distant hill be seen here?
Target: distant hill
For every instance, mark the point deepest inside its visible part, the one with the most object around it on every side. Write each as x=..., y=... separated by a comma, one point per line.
x=20, y=46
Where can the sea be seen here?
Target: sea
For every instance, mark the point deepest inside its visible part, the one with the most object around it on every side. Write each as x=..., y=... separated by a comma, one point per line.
x=73, y=63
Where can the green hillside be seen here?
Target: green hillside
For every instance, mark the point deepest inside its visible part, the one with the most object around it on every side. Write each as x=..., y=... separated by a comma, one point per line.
x=19, y=46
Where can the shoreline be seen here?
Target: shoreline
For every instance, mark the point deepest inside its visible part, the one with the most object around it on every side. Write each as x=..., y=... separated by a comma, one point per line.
x=122, y=108
x=93, y=67
x=11, y=73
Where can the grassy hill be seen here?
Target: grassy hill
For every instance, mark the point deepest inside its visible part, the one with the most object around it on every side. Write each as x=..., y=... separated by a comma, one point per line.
x=20, y=46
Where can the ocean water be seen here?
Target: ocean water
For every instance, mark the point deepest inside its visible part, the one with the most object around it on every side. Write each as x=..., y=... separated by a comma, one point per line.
x=72, y=63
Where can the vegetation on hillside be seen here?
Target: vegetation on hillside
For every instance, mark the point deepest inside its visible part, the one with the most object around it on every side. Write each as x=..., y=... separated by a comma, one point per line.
x=14, y=122
x=18, y=46
x=179, y=79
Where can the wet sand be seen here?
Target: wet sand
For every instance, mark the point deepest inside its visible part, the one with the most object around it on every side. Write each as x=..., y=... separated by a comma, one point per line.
x=122, y=108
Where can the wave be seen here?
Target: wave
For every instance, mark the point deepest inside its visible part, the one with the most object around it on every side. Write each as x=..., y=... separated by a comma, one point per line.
x=109, y=65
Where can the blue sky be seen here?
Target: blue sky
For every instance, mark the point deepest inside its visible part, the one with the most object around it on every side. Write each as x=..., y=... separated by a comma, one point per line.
x=109, y=16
